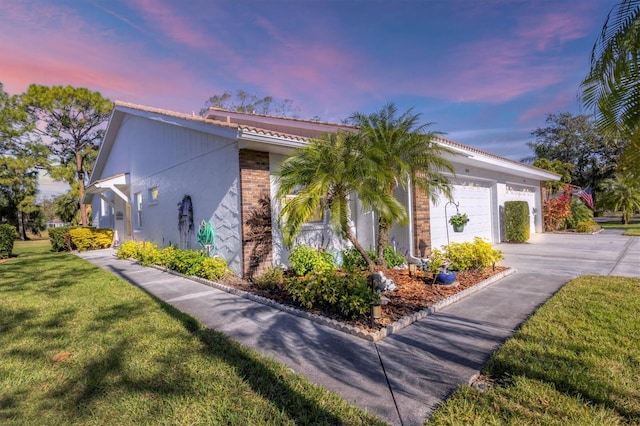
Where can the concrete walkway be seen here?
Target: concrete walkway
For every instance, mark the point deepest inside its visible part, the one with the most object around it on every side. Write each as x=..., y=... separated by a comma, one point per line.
x=403, y=377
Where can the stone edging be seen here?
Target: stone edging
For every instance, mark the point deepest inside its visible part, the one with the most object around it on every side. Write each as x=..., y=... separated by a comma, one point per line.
x=345, y=328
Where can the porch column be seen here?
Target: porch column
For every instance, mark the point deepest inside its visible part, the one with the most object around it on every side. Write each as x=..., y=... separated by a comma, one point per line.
x=421, y=223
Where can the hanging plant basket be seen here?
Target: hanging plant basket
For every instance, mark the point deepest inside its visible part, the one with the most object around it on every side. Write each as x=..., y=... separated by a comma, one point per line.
x=458, y=228
x=458, y=221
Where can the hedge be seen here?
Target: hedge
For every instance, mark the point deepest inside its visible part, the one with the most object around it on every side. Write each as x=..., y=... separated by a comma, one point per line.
x=66, y=238
x=516, y=221
x=7, y=237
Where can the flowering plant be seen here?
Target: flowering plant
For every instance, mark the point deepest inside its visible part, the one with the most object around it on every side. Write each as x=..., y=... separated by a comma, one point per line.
x=459, y=219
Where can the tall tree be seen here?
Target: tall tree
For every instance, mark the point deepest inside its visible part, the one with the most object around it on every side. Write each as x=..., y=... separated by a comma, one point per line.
x=243, y=101
x=19, y=160
x=574, y=139
x=73, y=121
x=612, y=87
x=323, y=175
x=404, y=151
x=621, y=194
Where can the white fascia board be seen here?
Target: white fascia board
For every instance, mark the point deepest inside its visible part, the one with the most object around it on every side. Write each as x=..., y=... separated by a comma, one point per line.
x=474, y=159
x=250, y=138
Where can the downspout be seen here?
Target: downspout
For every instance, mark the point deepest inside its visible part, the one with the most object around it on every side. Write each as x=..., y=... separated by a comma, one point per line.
x=411, y=258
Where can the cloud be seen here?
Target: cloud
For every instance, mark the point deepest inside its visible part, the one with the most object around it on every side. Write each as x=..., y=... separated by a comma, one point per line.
x=562, y=102
x=54, y=46
x=506, y=63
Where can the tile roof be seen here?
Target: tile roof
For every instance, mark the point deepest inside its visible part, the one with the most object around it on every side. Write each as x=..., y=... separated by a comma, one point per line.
x=257, y=124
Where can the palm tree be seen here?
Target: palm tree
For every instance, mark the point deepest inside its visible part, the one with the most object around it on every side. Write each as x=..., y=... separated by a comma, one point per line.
x=612, y=87
x=621, y=194
x=323, y=175
x=403, y=151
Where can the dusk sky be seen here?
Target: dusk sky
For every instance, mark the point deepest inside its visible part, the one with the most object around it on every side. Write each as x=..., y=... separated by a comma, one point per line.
x=486, y=72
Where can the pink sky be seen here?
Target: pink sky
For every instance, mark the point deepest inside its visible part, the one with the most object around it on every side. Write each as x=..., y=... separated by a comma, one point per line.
x=487, y=73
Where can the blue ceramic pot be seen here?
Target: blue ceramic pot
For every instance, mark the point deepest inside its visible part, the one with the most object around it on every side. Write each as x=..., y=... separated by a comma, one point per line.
x=446, y=278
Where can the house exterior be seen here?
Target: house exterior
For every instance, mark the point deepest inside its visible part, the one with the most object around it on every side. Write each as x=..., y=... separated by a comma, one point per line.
x=150, y=160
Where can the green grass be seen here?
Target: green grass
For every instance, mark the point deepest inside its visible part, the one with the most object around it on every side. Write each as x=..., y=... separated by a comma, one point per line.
x=80, y=346
x=575, y=361
x=632, y=229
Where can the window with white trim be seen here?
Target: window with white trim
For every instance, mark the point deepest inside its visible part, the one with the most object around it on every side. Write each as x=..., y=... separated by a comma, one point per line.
x=138, y=205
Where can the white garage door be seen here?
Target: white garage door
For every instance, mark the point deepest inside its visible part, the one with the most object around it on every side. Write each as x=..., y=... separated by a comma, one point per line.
x=474, y=199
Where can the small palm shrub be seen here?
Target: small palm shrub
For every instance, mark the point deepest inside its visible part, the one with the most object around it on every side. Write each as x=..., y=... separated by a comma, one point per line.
x=304, y=259
x=580, y=213
x=346, y=295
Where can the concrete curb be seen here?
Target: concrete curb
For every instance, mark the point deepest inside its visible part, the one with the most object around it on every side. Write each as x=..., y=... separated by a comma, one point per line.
x=337, y=325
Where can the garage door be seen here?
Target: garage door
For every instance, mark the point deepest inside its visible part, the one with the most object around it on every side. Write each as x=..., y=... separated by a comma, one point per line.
x=474, y=199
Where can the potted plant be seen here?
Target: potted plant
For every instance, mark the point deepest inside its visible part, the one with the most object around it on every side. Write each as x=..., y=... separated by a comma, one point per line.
x=439, y=266
x=458, y=221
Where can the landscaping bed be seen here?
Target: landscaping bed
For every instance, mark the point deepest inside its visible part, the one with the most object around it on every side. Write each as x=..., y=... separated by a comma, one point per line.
x=414, y=294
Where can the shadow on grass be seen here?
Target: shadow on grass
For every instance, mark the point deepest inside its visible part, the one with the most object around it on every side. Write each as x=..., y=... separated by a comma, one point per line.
x=262, y=379
x=585, y=383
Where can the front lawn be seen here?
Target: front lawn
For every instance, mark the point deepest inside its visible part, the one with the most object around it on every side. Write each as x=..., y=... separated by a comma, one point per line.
x=81, y=346
x=632, y=229
x=576, y=361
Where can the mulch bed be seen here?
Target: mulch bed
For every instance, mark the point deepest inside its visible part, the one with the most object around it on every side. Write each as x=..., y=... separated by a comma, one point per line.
x=414, y=294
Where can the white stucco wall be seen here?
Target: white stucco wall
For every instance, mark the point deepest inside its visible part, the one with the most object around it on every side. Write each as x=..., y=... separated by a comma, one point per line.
x=179, y=161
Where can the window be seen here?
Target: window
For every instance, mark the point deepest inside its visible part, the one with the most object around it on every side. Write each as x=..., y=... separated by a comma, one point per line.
x=138, y=203
x=317, y=214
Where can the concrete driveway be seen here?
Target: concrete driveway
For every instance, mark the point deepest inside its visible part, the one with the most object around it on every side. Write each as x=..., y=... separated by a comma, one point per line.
x=405, y=376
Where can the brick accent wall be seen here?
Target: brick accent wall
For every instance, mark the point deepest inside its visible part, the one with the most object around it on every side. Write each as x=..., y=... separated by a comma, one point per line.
x=421, y=223
x=255, y=210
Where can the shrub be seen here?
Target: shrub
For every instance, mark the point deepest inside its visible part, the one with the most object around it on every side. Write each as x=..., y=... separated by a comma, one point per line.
x=352, y=260
x=393, y=258
x=127, y=250
x=517, y=221
x=148, y=253
x=214, y=268
x=346, y=295
x=7, y=237
x=467, y=255
x=270, y=279
x=188, y=262
x=166, y=256
x=556, y=211
x=587, y=226
x=84, y=238
x=304, y=259
x=580, y=213
x=59, y=237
